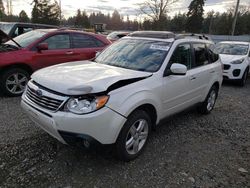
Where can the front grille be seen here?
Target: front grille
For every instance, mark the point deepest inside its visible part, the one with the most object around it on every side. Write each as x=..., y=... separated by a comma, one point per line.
x=43, y=101
x=226, y=67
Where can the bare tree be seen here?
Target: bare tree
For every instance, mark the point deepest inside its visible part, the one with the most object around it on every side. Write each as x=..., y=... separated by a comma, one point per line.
x=156, y=9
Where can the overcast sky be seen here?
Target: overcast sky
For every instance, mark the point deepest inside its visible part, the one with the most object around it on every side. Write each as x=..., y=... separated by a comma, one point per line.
x=125, y=7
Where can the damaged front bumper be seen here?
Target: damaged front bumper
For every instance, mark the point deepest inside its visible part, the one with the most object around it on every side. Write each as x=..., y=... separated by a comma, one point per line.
x=102, y=126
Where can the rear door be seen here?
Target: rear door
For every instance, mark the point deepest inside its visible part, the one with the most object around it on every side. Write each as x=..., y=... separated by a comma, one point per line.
x=200, y=71
x=85, y=46
x=59, y=51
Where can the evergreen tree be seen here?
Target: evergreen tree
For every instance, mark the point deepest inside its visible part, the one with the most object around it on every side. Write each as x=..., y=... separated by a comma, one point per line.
x=195, y=16
x=46, y=12
x=2, y=10
x=23, y=17
x=81, y=19
x=178, y=22
x=116, y=21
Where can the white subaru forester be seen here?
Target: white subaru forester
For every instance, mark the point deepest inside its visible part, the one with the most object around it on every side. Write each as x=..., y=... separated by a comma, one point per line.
x=121, y=95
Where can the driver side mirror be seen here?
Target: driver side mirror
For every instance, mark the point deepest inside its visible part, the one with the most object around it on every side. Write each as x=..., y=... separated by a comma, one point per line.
x=176, y=69
x=42, y=46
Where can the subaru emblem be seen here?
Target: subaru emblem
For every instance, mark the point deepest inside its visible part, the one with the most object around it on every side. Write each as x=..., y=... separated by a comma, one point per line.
x=39, y=93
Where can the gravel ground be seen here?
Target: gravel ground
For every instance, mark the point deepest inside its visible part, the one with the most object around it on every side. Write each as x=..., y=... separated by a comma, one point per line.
x=187, y=150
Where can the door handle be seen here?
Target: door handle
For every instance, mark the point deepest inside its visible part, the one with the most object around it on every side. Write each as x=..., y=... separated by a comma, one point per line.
x=192, y=78
x=69, y=53
x=212, y=72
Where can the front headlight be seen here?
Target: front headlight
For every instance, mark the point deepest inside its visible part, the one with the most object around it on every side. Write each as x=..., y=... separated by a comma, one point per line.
x=86, y=105
x=239, y=61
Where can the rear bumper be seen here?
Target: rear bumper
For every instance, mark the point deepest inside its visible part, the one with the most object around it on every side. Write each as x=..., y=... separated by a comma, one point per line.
x=102, y=126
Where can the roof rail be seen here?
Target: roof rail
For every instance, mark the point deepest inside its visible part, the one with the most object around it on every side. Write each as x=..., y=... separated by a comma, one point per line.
x=193, y=35
x=153, y=34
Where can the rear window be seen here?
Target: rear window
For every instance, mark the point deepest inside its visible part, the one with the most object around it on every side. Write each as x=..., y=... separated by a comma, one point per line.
x=85, y=41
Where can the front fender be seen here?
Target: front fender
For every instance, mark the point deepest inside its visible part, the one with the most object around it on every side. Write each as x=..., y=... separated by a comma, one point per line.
x=126, y=105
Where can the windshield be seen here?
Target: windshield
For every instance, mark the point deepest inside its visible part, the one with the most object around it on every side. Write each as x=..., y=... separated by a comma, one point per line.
x=135, y=54
x=231, y=49
x=6, y=27
x=26, y=39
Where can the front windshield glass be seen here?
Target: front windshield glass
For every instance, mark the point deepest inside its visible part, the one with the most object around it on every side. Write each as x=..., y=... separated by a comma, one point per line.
x=26, y=39
x=135, y=54
x=231, y=49
x=6, y=27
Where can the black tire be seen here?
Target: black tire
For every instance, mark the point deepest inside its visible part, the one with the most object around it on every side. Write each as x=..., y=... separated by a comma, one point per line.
x=7, y=75
x=135, y=118
x=205, y=108
x=243, y=80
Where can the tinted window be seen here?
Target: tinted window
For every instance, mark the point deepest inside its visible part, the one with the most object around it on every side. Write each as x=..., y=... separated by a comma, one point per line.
x=85, y=41
x=135, y=54
x=213, y=57
x=182, y=55
x=58, y=42
x=200, y=55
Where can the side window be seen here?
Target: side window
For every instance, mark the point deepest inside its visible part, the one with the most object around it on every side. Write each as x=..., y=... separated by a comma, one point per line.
x=60, y=41
x=85, y=41
x=20, y=30
x=200, y=55
x=182, y=55
x=213, y=57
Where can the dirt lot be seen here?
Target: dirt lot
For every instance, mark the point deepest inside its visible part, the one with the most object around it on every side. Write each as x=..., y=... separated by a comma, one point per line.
x=187, y=150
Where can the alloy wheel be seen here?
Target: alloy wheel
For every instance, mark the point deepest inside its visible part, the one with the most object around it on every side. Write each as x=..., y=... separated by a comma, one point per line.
x=211, y=100
x=137, y=136
x=16, y=83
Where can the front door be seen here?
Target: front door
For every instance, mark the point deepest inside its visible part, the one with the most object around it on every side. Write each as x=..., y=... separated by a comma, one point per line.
x=180, y=91
x=59, y=51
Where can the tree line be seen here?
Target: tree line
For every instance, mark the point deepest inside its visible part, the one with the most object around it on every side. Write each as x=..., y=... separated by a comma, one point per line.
x=155, y=17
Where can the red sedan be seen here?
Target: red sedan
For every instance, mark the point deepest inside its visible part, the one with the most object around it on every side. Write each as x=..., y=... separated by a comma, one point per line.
x=37, y=49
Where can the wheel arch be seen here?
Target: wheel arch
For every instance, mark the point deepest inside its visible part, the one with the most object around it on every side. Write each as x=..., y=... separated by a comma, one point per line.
x=150, y=110
x=217, y=85
x=17, y=65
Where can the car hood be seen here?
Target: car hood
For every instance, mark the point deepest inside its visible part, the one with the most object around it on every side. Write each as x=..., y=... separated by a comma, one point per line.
x=226, y=59
x=83, y=77
x=4, y=37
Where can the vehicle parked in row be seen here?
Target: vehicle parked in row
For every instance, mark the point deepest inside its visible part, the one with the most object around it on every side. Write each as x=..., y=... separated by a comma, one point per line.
x=120, y=96
x=116, y=35
x=236, y=59
x=42, y=48
x=14, y=29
